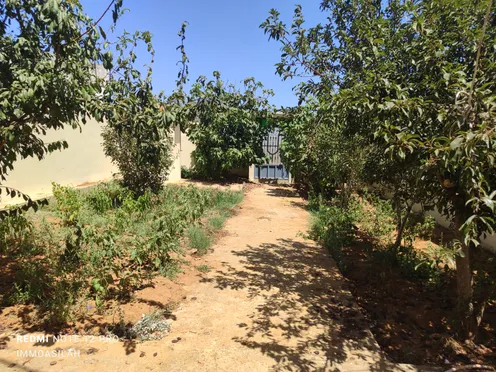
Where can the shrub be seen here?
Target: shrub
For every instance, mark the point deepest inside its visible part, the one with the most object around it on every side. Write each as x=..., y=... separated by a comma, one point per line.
x=334, y=227
x=69, y=203
x=105, y=256
x=187, y=173
x=376, y=218
x=16, y=232
x=419, y=225
x=106, y=196
x=143, y=166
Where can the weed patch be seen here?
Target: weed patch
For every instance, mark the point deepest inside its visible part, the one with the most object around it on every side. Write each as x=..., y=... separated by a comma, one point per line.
x=203, y=268
x=103, y=243
x=198, y=239
x=216, y=222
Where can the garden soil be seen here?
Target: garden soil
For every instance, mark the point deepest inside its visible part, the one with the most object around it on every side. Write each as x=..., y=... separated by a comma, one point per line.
x=272, y=301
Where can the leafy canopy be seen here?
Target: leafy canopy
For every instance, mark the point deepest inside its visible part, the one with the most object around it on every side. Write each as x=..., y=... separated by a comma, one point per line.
x=49, y=51
x=228, y=125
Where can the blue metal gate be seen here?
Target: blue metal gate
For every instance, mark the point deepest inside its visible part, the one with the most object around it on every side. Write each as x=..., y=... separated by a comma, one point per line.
x=273, y=169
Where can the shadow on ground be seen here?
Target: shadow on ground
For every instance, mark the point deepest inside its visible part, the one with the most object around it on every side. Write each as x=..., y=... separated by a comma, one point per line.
x=283, y=191
x=307, y=320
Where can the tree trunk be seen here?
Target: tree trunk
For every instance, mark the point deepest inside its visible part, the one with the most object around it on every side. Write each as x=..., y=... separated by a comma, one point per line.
x=465, y=293
x=401, y=226
x=480, y=307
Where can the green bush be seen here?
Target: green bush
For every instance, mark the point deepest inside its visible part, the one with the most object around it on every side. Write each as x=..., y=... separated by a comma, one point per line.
x=376, y=218
x=335, y=227
x=69, y=203
x=106, y=196
x=419, y=225
x=187, y=173
x=143, y=166
x=16, y=232
x=203, y=268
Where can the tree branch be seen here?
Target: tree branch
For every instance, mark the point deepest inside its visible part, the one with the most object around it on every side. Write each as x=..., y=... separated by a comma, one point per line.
x=98, y=21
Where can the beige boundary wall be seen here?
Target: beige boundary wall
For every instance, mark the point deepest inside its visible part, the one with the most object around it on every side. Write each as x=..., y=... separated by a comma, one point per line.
x=82, y=164
x=187, y=147
x=489, y=242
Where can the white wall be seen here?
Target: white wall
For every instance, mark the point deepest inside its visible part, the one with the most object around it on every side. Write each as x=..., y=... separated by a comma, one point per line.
x=175, y=172
x=187, y=147
x=489, y=242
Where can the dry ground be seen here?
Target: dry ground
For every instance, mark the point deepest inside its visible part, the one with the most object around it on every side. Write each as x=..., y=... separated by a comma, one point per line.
x=272, y=301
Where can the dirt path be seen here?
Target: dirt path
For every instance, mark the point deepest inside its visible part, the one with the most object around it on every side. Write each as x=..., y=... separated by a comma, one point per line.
x=273, y=301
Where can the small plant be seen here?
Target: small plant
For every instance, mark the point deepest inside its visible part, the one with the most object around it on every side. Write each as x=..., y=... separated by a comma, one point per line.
x=334, y=227
x=137, y=205
x=426, y=228
x=106, y=196
x=69, y=203
x=441, y=256
x=315, y=201
x=16, y=232
x=216, y=222
x=203, y=268
x=198, y=239
x=99, y=200
x=187, y=173
x=416, y=265
x=375, y=217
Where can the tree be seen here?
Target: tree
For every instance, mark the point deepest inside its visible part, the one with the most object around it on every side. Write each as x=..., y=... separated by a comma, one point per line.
x=227, y=125
x=420, y=77
x=318, y=155
x=138, y=134
x=48, y=80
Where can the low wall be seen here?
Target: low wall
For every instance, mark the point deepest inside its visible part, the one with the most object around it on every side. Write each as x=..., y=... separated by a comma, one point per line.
x=187, y=147
x=489, y=242
x=82, y=164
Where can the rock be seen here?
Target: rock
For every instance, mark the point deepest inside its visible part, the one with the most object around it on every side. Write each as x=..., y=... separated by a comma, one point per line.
x=91, y=350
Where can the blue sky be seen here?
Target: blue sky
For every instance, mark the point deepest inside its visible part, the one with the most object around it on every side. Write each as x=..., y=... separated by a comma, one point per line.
x=222, y=35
